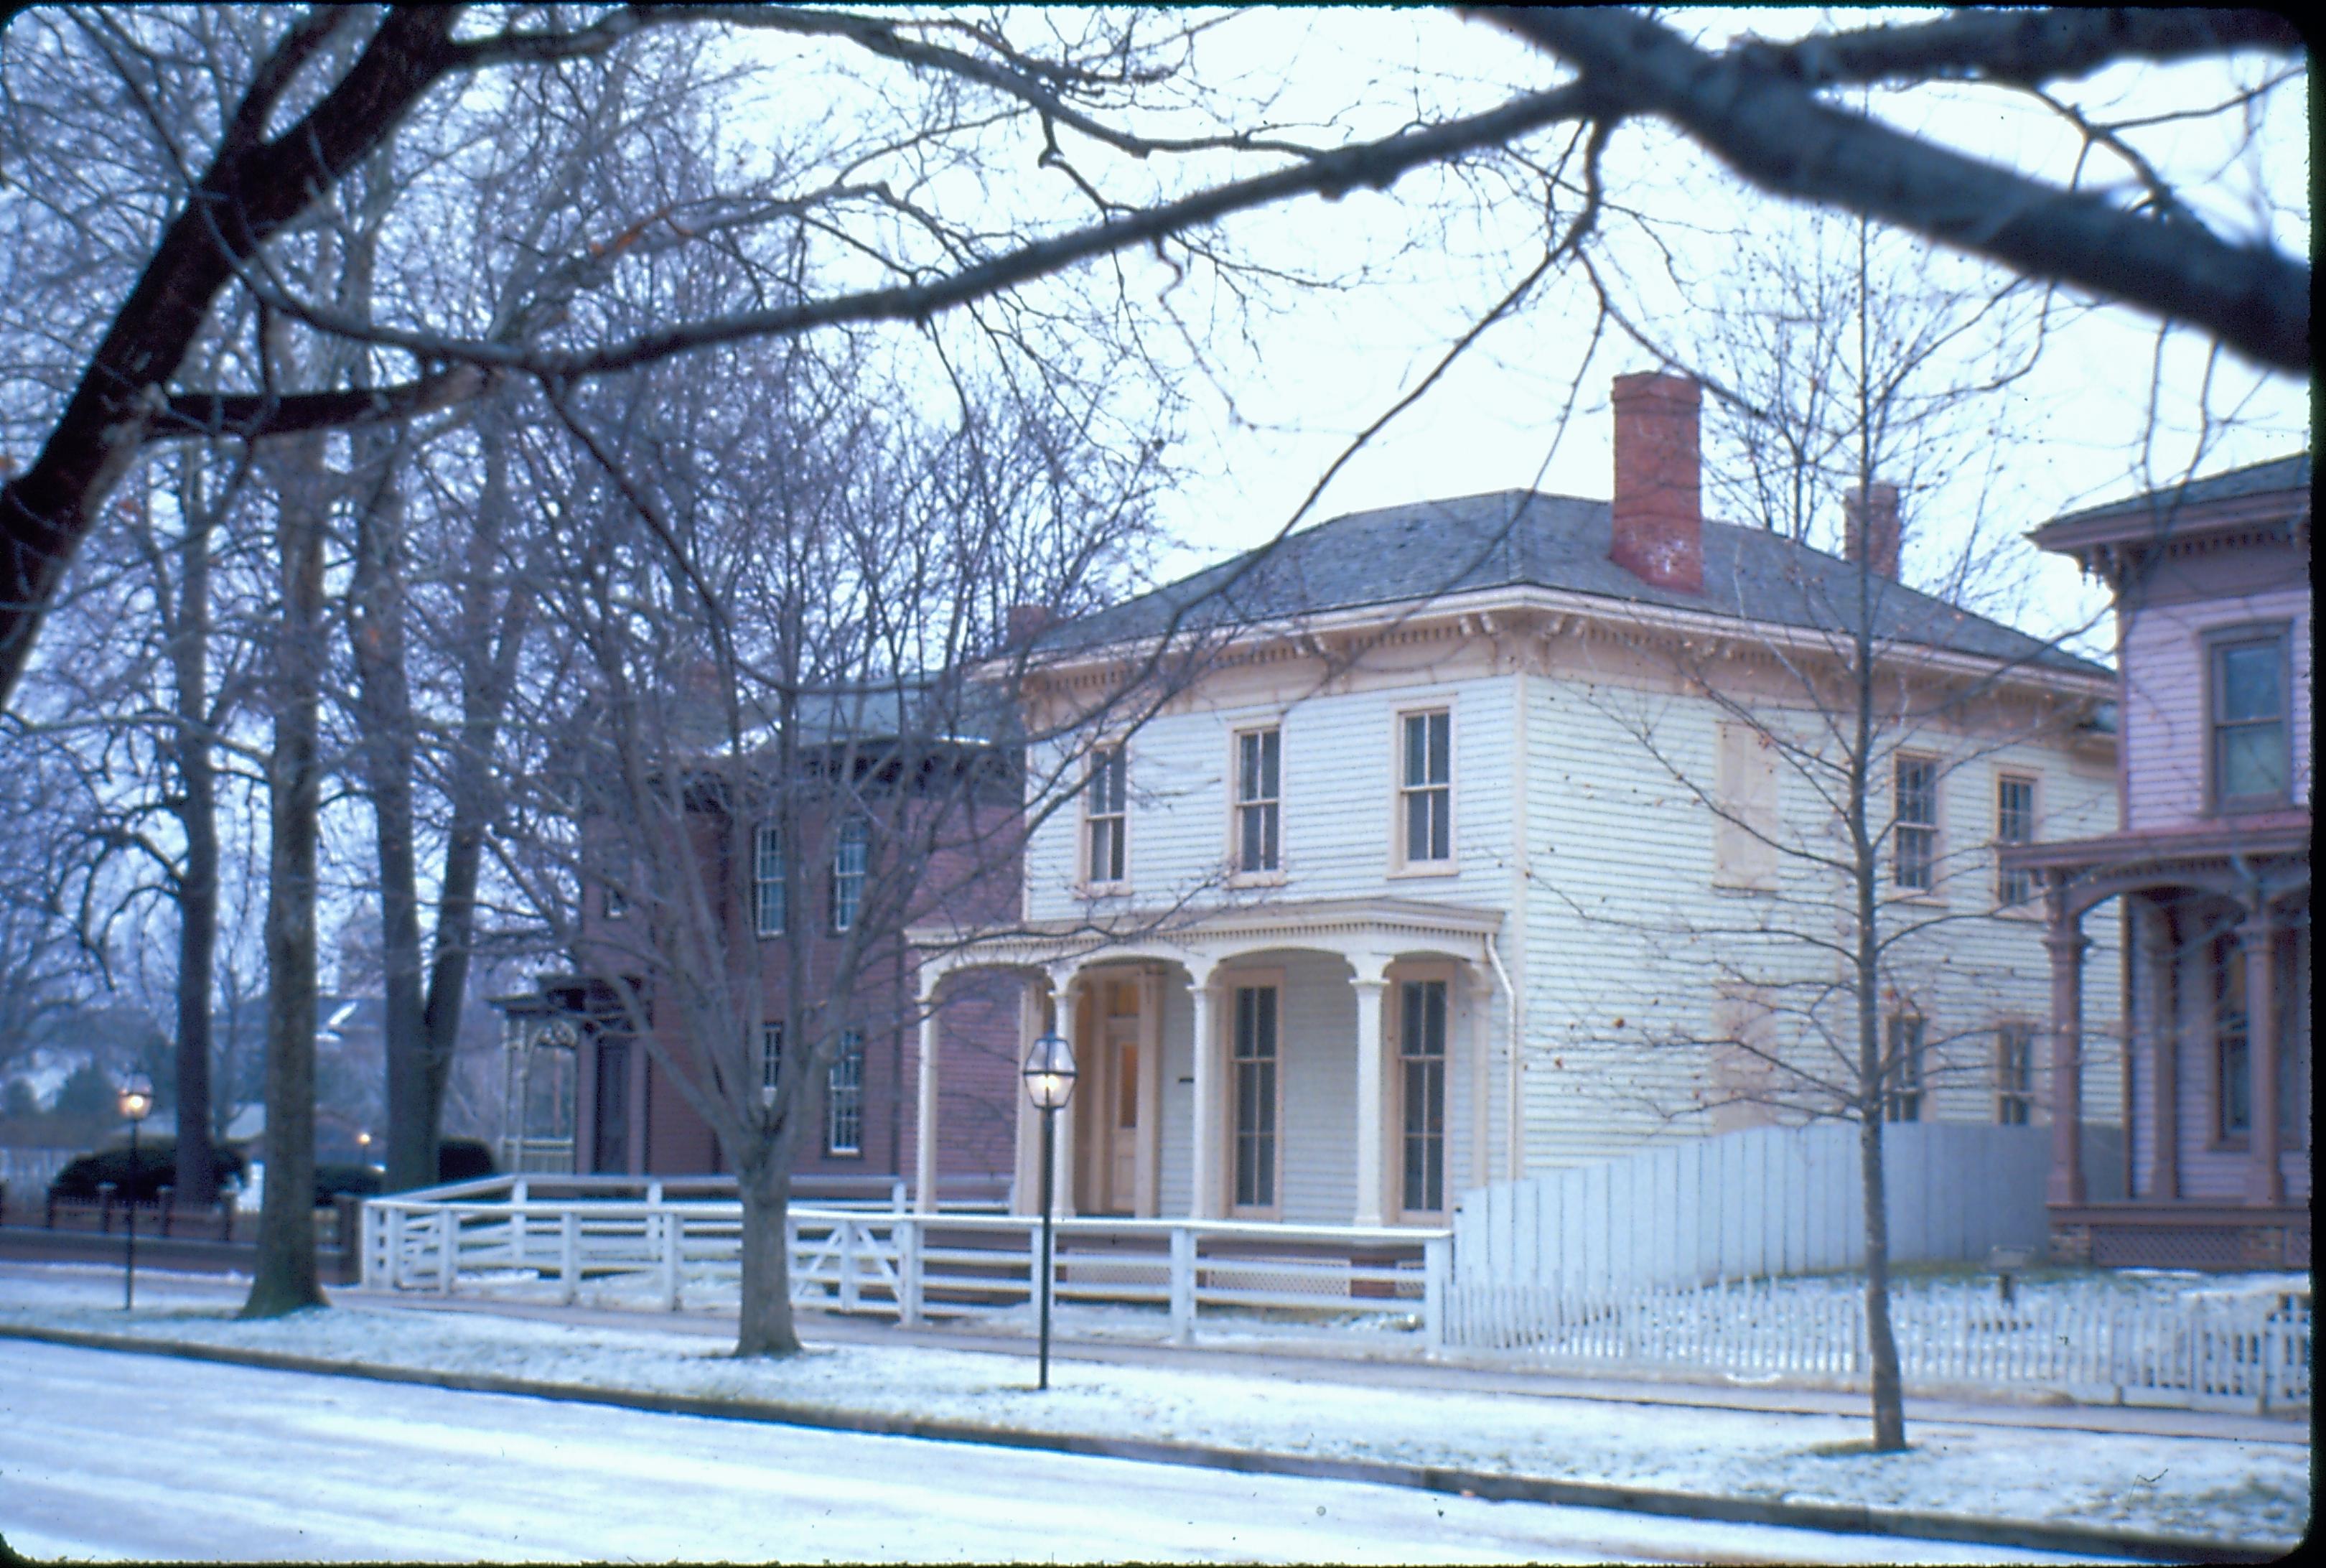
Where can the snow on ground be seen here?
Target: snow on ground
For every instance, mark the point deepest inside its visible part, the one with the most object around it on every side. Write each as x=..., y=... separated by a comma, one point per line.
x=104, y=1456
x=2218, y=1488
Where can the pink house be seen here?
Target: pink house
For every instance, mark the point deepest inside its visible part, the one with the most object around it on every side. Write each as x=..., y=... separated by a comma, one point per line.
x=2212, y=861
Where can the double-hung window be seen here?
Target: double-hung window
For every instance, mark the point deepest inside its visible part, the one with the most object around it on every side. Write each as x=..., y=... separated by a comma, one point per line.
x=1260, y=755
x=2014, y=1074
x=2014, y=823
x=1914, y=855
x=1425, y=790
x=771, y=1061
x=851, y=858
x=1107, y=815
x=2232, y=1052
x=2250, y=756
x=1254, y=1087
x=843, y=1097
x=767, y=879
x=1902, y=1096
x=1422, y=1065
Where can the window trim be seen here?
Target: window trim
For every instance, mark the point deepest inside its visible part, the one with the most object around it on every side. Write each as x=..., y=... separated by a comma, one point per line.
x=1422, y=974
x=1911, y=1091
x=1231, y=982
x=2005, y=1095
x=1400, y=863
x=851, y=1052
x=854, y=830
x=2031, y=905
x=1267, y=876
x=1121, y=816
x=765, y=889
x=2210, y=642
x=771, y=1060
x=1900, y=826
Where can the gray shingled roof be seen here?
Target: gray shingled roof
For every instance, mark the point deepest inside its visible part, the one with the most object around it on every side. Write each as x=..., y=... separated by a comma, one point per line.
x=1520, y=538
x=2280, y=473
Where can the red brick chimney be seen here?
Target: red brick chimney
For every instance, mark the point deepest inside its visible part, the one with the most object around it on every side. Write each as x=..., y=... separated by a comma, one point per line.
x=1027, y=622
x=1658, y=502
x=1870, y=527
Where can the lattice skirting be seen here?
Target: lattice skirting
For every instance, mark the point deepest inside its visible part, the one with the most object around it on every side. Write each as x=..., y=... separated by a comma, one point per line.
x=2211, y=1241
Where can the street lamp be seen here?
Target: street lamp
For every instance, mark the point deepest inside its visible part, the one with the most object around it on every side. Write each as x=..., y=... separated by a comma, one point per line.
x=1049, y=1073
x=137, y=1103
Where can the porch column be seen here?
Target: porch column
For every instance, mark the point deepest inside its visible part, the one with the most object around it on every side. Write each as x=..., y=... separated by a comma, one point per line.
x=1203, y=1178
x=2257, y=935
x=1025, y=1170
x=2066, y=944
x=1066, y=983
x=1373, y=1118
x=924, y=1108
x=2159, y=953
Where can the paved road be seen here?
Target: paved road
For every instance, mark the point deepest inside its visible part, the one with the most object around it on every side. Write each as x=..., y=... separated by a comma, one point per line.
x=103, y=1454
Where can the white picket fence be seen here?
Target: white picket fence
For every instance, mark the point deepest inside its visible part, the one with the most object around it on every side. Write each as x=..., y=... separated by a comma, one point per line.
x=2099, y=1345
x=1769, y=1200
x=500, y=1233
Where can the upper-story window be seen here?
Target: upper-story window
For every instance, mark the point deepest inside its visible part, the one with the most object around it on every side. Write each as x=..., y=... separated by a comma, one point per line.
x=767, y=879
x=1915, y=854
x=1106, y=817
x=1260, y=755
x=851, y=858
x=1425, y=788
x=613, y=890
x=2251, y=758
x=2014, y=823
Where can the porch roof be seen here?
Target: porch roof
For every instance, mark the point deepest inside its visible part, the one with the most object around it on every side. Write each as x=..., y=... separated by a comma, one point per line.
x=2269, y=852
x=1364, y=930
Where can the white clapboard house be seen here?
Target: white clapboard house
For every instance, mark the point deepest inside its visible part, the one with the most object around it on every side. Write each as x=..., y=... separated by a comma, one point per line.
x=1440, y=866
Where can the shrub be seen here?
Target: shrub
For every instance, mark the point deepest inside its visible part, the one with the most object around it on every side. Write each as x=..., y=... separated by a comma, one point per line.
x=463, y=1160
x=157, y=1167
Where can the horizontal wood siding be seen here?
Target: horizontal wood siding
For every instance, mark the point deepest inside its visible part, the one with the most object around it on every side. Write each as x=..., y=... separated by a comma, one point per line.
x=2165, y=739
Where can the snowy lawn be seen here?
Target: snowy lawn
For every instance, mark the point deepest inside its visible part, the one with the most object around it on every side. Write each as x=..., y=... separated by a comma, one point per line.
x=2250, y=1491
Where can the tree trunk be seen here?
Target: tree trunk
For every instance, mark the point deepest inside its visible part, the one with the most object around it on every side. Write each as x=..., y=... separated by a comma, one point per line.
x=198, y=885
x=764, y=1320
x=376, y=635
x=286, y=1276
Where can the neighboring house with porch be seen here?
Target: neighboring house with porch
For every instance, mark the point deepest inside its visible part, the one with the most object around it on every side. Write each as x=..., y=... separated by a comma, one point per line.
x=1410, y=886
x=2211, y=863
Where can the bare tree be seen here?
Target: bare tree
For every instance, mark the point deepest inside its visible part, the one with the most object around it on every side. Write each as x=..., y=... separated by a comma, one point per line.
x=1820, y=735
x=283, y=126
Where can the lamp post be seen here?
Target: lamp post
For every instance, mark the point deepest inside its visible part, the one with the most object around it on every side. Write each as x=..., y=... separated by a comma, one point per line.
x=1050, y=1074
x=137, y=1103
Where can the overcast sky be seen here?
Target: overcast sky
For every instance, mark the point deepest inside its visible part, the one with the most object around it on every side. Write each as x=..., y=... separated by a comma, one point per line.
x=1322, y=364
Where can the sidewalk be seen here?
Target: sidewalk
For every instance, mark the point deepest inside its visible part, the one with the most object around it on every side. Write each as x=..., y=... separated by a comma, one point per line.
x=1993, y=1473
x=1344, y=1360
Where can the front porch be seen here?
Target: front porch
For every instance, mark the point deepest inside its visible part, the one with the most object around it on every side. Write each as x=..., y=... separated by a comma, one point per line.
x=2217, y=1050
x=1323, y=1062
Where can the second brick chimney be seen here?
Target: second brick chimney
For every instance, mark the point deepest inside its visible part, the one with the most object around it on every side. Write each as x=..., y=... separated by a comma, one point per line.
x=1870, y=525
x=1659, y=501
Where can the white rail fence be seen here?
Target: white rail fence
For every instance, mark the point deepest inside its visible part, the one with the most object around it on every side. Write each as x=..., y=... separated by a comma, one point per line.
x=2101, y=1345
x=1771, y=1200
x=500, y=1232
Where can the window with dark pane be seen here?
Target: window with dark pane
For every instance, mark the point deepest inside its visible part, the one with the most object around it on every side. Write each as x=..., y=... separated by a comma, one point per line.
x=1107, y=813
x=2014, y=823
x=1255, y=1097
x=1258, y=763
x=1426, y=792
x=1421, y=1066
x=1914, y=858
x=2250, y=756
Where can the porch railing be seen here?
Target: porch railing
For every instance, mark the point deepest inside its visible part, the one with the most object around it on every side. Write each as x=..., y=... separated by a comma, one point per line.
x=680, y=1243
